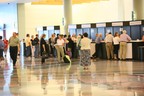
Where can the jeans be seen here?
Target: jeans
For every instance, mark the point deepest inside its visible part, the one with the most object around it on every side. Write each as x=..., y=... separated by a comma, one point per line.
x=36, y=52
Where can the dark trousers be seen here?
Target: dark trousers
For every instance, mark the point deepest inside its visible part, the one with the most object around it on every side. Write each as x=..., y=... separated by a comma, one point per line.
x=13, y=54
x=28, y=51
x=42, y=60
x=116, y=48
x=36, y=53
x=97, y=50
x=1, y=52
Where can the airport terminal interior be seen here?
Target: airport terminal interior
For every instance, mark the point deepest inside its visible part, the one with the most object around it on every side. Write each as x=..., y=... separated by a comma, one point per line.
x=104, y=76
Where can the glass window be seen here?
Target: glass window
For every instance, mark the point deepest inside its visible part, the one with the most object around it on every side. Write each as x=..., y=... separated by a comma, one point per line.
x=79, y=31
x=93, y=33
x=72, y=31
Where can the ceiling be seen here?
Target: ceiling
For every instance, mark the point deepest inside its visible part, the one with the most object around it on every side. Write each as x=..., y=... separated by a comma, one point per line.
x=60, y=2
x=16, y=1
x=48, y=2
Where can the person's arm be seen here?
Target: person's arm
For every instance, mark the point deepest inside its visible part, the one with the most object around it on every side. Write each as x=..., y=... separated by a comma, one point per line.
x=43, y=45
x=143, y=37
x=128, y=37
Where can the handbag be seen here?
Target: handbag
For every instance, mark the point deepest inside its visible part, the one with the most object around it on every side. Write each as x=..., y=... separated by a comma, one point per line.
x=44, y=54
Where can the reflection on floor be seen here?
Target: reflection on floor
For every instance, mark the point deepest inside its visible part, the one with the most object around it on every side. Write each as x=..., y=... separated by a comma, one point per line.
x=104, y=78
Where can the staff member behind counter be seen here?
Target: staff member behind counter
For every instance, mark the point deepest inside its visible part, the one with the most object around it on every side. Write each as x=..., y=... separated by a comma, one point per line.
x=124, y=38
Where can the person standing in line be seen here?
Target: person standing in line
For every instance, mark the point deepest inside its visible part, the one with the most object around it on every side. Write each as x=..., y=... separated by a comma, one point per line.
x=109, y=45
x=69, y=46
x=124, y=38
x=28, y=45
x=78, y=45
x=85, y=51
x=42, y=47
x=59, y=47
x=94, y=55
x=32, y=45
x=52, y=42
x=1, y=48
x=116, y=41
x=36, y=52
x=74, y=50
x=13, y=44
x=97, y=46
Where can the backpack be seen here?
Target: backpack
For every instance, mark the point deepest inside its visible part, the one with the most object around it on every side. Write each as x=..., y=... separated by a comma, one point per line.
x=66, y=59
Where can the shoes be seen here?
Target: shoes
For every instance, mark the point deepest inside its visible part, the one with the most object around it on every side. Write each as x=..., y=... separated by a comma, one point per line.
x=85, y=68
x=42, y=62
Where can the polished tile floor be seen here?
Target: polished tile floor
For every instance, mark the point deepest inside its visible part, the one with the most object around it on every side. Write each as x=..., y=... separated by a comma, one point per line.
x=104, y=78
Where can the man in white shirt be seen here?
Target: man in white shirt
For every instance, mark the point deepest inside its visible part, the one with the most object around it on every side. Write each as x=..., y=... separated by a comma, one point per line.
x=109, y=46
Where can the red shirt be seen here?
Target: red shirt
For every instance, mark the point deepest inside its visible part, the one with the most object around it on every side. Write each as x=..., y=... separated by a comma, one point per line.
x=5, y=43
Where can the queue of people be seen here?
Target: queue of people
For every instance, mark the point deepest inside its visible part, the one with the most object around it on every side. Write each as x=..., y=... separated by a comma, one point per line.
x=116, y=46
x=55, y=46
x=74, y=46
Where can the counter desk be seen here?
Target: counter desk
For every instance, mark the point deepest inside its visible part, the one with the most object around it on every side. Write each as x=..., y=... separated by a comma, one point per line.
x=132, y=49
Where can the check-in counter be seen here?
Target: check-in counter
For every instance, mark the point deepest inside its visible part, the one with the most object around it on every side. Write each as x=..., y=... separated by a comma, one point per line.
x=132, y=49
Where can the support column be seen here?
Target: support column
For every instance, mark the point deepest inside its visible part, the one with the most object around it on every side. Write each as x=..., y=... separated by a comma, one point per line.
x=67, y=14
x=138, y=9
x=121, y=10
x=21, y=21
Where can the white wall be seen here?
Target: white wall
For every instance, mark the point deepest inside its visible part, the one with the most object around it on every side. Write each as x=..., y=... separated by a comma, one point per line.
x=8, y=16
x=128, y=8
x=104, y=11
x=41, y=15
x=96, y=12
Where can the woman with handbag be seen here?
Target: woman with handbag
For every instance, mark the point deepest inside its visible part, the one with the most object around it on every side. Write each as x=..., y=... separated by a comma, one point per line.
x=43, y=48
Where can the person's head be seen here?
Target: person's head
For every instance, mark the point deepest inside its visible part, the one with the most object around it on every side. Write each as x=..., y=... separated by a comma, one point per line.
x=65, y=36
x=97, y=34
x=32, y=36
x=85, y=34
x=60, y=36
x=109, y=33
x=116, y=34
x=0, y=37
x=100, y=35
x=57, y=35
x=27, y=35
x=69, y=36
x=14, y=34
x=17, y=34
x=53, y=35
x=37, y=35
x=124, y=31
x=43, y=36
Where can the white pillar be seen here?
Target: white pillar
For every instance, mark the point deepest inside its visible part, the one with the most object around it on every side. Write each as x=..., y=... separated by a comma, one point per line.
x=121, y=10
x=21, y=21
x=138, y=9
x=67, y=14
